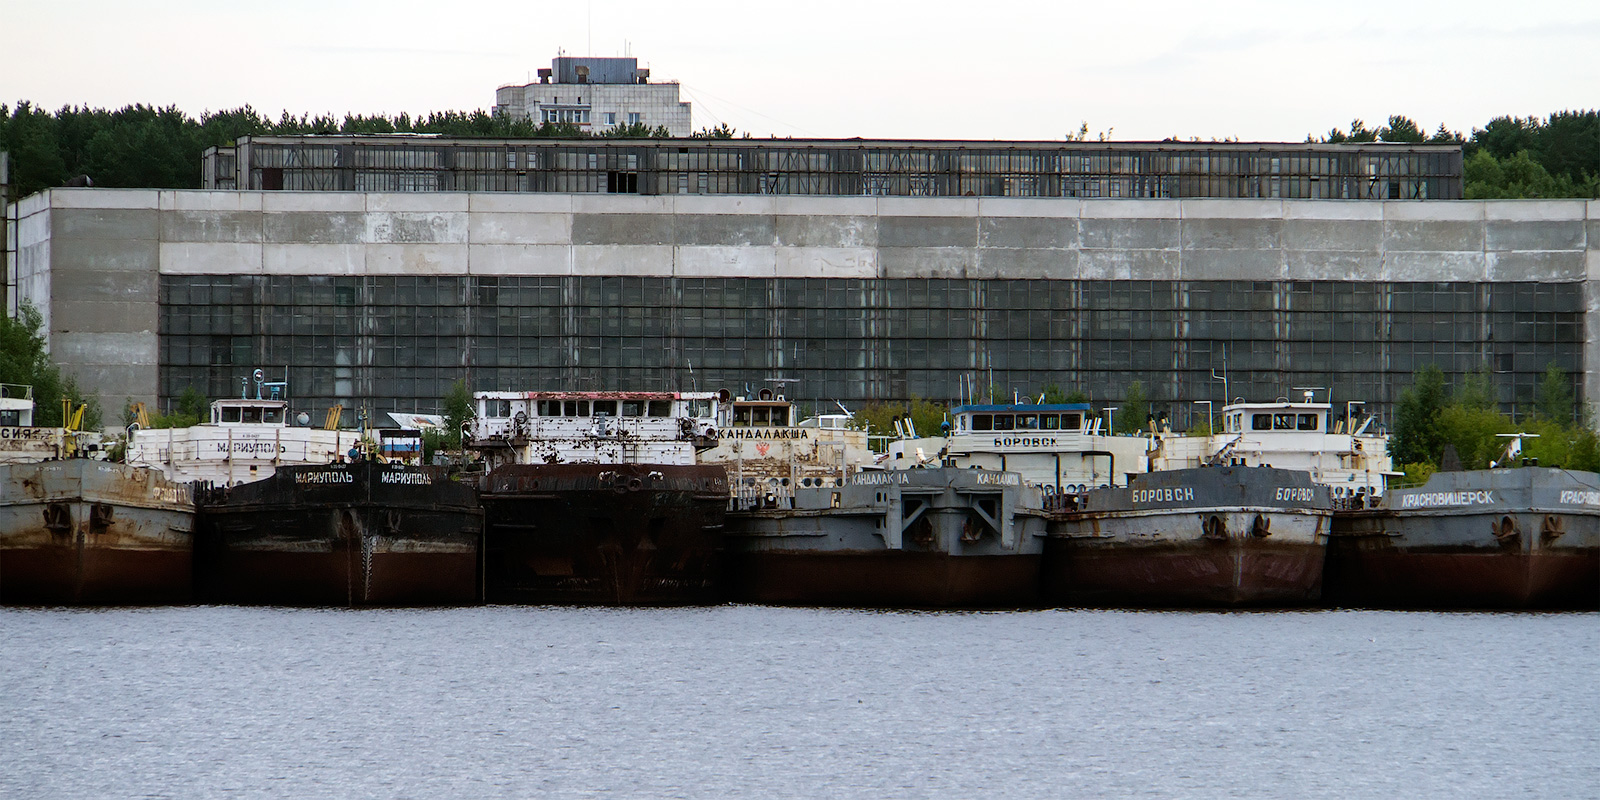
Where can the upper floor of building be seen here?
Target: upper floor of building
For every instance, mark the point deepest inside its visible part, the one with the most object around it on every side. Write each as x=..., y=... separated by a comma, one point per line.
x=840, y=167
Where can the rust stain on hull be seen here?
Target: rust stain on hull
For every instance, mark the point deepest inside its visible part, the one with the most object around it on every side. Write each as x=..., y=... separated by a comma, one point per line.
x=1234, y=573
x=82, y=532
x=340, y=535
x=884, y=579
x=604, y=534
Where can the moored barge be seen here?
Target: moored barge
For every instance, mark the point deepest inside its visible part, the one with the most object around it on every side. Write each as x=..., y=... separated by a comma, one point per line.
x=1501, y=538
x=1201, y=537
x=78, y=531
x=355, y=534
x=596, y=498
x=938, y=537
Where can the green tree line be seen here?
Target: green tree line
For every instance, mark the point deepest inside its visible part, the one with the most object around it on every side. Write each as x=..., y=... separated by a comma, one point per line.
x=144, y=147
x=1432, y=416
x=1510, y=157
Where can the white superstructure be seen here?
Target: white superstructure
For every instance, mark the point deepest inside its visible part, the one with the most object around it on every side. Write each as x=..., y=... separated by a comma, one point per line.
x=1346, y=456
x=593, y=427
x=20, y=441
x=768, y=450
x=245, y=440
x=1058, y=446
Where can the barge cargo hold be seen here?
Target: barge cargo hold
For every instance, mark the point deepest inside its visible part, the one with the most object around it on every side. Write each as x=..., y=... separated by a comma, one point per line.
x=919, y=538
x=1484, y=539
x=360, y=534
x=1204, y=537
x=85, y=532
x=609, y=534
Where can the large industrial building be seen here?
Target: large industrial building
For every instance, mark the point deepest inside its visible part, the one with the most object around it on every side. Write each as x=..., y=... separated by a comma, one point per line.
x=814, y=281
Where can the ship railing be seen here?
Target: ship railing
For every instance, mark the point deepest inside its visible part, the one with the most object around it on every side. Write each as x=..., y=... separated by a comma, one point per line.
x=749, y=498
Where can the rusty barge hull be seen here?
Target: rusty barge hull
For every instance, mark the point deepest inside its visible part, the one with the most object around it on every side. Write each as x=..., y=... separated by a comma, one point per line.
x=925, y=538
x=1211, y=537
x=883, y=579
x=351, y=535
x=1234, y=573
x=1525, y=538
x=82, y=532
x=604, y=534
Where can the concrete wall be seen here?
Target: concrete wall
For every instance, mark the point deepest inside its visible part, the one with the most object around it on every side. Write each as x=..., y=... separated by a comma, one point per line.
x=92, y=256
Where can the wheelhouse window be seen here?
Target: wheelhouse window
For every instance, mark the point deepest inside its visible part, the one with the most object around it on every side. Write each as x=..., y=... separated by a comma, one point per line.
x=633, y=408
x=660, y=408
x=699, y=408
x=1071, y=422
x=1283, y=422
x=605, y=407
x=1050, y=422
x=575, y=408
x=231, y=414
x=1027, y=422
x=983, y=422
x=1308, y=422
x=1004, y=422
x=272, y=416
x=1261, y=422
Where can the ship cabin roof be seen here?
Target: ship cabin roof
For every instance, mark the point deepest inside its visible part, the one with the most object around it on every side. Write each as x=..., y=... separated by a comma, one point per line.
x=505, y=405
x=1021, y=417
x=16, y=405
x=831, y=422
x=762, y=413
x=245, y=411
x=1279, y=417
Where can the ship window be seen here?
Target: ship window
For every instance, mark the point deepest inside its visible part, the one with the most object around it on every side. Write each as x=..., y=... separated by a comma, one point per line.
x=499, y=408
x=1027, y=422
x=660, y=408
x=1261, y=422
x=699, y=408
x=1283, y=422
x=1003, y=422
x=549, y=408
x=1308, y=422
x=252, y=414
x=272, y=416
x=575, y=408
x=606, y=407
x=1049, y=422
x=982, y=422
x=741, y=417
x=230, y=415
x=633, y=408
x=1071, y=422
x=780, y=417
x=761, y=417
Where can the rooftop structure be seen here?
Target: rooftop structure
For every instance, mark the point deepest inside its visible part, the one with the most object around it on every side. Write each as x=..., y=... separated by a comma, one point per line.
x=596, y=94
x=839, y=167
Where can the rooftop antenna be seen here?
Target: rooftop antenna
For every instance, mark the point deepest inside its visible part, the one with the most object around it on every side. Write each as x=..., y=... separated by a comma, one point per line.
x=1310, y=391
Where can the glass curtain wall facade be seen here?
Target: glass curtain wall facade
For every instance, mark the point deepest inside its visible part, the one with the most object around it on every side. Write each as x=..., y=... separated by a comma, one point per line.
x=840, y=168
x=396, y=343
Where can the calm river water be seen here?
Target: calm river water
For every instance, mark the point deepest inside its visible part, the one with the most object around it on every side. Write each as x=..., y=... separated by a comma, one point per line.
x=770, y=702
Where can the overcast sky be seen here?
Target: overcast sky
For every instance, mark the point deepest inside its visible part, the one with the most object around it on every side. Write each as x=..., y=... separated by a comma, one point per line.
x=1256, y=71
